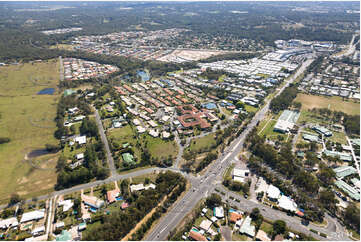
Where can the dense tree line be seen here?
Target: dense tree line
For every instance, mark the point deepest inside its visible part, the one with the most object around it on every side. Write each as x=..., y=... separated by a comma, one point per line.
x=352, y=216
x=119, y=223
x=63, y=105
x=301, y=185
x=284, y=100
x=230, y=56
x=352, y=124
x=92, y=167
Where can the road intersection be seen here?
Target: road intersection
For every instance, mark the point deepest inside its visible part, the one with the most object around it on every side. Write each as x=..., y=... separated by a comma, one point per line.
x=205, y=184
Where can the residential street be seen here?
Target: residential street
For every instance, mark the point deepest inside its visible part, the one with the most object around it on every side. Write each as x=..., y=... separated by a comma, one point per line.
x=113, y=170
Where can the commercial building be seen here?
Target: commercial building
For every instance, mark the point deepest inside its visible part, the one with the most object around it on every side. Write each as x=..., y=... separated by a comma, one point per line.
x=343, y=156
x=351, y=192
x=287, y=204
x=286, y=121
x=344, y=171
x=322, y=130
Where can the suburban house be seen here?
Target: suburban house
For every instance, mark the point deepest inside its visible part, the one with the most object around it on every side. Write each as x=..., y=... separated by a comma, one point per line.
x=113, y=195
x=248, y=229
x=262, y=236
x=273, y=193
x=240, y=174
x=33, y=215
x=195, y=235
x=218, y=212
x=140, y=187
x=93, y=202
x=67, y=204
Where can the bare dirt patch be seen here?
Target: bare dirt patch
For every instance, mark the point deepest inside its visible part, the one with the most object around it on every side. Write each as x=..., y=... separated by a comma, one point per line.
x=190, y=55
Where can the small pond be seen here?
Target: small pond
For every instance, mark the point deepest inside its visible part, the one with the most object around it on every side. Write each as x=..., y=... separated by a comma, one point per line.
x=46, y=91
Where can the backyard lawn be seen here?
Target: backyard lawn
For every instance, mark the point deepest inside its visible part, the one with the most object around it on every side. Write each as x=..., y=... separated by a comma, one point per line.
x=28, y=120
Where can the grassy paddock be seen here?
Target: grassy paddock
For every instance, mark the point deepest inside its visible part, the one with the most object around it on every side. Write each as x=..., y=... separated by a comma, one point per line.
x=203, y=142
x=334, y=103
x=27, y=119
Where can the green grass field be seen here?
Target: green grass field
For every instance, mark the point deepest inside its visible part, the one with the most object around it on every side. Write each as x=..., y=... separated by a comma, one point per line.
x=338, y=137
x=27, y=119
x=161, y=148
x=201, y=143
x=309, y=117
x=266, y=227
x=269, y=133
x=250, y=108
x=157, y=147
x=333, y=103
x=238, y=237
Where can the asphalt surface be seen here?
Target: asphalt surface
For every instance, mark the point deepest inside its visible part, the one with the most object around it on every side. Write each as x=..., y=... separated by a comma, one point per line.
x=334, y=230
x=110, y=160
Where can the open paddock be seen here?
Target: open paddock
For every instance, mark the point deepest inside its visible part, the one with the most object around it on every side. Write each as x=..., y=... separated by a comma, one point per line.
x=333, y=103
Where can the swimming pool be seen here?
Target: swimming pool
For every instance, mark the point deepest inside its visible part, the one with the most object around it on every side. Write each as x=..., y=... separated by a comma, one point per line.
x=145, y=77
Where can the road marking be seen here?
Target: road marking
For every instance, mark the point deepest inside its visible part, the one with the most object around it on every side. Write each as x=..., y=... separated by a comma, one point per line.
x=225, y=158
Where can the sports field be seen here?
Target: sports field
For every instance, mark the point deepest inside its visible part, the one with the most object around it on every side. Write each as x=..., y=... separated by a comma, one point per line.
x=333, y=103
x=27, y=119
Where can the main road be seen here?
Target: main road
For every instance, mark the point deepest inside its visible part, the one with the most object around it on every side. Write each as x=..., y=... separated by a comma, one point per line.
x=203, y=185
x=206, y=183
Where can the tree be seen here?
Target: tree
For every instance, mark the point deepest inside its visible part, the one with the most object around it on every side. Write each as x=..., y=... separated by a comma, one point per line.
x=214, y=200
x=60, y=165
x=255, y=213
x=218, y=237
x=14, y=199
x=328, y=199
x=352, y=216
x=279, y=227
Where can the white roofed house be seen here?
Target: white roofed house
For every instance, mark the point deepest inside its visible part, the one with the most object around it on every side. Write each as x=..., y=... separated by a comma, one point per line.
x=218, y=212
x=33, y=215
x=38, y=231
x=66, y=204
x=287, y=204
x=240, y=175
x=80, y=139
x=273, y=193
x=9, y=223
